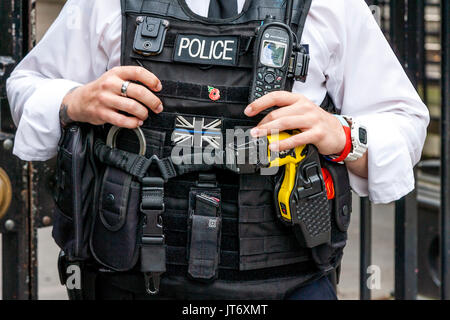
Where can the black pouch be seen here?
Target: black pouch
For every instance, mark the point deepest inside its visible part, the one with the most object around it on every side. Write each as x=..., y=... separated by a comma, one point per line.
x=204, y=233
x=116, y=227
x=75, y=182
x=328, y=256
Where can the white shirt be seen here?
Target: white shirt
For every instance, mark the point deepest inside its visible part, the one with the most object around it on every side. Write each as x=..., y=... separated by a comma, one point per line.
x=350, y=59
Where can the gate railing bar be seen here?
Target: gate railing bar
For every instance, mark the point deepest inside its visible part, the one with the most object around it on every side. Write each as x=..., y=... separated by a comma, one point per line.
x=422, y=53
x=445, y=152
x=365, y=250
x=18, y=232
x=405, y=30
x=406, y=248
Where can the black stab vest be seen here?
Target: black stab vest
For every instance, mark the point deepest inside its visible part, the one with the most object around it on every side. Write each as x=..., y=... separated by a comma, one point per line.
x=254, y=244
x=252, y=236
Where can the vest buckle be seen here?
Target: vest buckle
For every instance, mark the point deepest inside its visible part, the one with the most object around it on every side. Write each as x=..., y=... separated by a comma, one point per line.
x=153, y=242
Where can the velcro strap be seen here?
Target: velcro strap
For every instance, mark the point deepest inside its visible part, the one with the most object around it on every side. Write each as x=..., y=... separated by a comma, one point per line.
x=192, y=91
x=264, y=245
x=257, y=214
x=177, y=256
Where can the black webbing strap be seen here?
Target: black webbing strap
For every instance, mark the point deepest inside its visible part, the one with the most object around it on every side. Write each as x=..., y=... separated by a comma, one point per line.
x=302, y=20
x=132, y=163
x=328, y=105
x=153, y=243
x=177, y=89
x=138, y=166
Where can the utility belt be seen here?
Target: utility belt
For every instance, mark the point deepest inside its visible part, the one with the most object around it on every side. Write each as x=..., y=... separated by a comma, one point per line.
x=206, y=221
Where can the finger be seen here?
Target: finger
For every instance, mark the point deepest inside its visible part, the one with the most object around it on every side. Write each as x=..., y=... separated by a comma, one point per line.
x=113, y=117
x=291, y=110
x=140, y=74
x=130, y=106
x=273, y=99
x=281, y=124
x=148, y=98
x=300, y=139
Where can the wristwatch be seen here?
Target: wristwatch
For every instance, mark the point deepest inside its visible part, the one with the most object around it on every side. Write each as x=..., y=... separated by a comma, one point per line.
x=359, y=139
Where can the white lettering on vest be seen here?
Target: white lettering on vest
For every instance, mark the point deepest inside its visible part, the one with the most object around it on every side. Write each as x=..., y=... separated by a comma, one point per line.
x=206, y=50
x=202, y=55
x=184, y=44
x=198, y=50
x=218, y=57
x=228, y=49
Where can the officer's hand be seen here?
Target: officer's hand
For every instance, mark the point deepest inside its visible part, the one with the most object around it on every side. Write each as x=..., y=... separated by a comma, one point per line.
x=100, y=101
x=295, y=111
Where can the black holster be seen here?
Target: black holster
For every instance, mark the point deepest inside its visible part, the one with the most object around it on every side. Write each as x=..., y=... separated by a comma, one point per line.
x=328, y=256
x=74, y=192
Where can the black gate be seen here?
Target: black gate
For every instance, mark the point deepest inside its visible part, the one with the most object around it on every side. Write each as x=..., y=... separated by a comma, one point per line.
x=25, y=202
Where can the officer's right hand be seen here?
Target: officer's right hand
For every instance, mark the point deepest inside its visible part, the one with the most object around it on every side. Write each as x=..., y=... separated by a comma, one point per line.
x=100, y=101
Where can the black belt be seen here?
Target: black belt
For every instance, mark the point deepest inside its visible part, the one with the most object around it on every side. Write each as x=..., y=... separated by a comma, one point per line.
x=224, y=274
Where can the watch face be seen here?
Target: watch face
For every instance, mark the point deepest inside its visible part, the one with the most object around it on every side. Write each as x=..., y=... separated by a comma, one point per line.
x=363, y=135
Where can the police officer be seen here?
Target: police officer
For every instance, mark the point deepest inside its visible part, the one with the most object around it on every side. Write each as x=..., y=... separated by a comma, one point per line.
x=75, y=74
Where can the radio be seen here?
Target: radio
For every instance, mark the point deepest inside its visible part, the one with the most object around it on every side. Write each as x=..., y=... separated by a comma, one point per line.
x=272, y=57
x=278, y=57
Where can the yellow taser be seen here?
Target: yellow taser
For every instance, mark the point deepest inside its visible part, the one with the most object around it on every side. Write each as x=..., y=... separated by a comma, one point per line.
x=290, y=160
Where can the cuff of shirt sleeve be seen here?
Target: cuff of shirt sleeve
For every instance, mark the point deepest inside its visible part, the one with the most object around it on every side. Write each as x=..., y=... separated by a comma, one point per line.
x=39, y=129
x=391, y=174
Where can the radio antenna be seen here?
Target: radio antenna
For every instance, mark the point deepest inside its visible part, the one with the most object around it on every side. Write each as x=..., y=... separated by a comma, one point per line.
x=288, y=14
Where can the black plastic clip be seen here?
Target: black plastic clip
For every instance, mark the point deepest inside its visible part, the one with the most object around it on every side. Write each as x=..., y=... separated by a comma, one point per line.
x=299, y=66
x=313, y=184
x=153, y=244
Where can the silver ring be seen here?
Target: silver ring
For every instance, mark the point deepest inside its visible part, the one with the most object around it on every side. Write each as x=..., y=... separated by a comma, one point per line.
x=112, y=139
x=125, y=88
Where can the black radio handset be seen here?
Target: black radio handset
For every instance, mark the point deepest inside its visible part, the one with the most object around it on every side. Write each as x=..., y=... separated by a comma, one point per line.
x=273, y=47
x=277, y=56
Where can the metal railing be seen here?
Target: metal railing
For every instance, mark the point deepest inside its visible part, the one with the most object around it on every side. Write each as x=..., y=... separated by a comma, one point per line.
x=416, y=29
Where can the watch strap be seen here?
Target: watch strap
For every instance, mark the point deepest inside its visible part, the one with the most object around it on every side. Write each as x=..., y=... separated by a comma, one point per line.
x=348, y=141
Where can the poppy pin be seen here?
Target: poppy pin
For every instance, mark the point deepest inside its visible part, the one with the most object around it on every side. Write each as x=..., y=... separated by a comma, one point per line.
x=214, y=93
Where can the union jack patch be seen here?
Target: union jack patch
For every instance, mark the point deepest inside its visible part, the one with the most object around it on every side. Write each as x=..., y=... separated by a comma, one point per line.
x=197, y=132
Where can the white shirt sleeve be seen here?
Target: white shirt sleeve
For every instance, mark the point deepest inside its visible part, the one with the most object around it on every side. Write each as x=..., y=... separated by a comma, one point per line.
x=71, y=53
x=367, y=82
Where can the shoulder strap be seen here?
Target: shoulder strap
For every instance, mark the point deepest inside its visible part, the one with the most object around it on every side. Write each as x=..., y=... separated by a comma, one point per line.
x=253, y=10
x=302, y=18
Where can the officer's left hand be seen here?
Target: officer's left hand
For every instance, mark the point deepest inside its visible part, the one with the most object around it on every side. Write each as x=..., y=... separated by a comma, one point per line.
x=295, y=111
